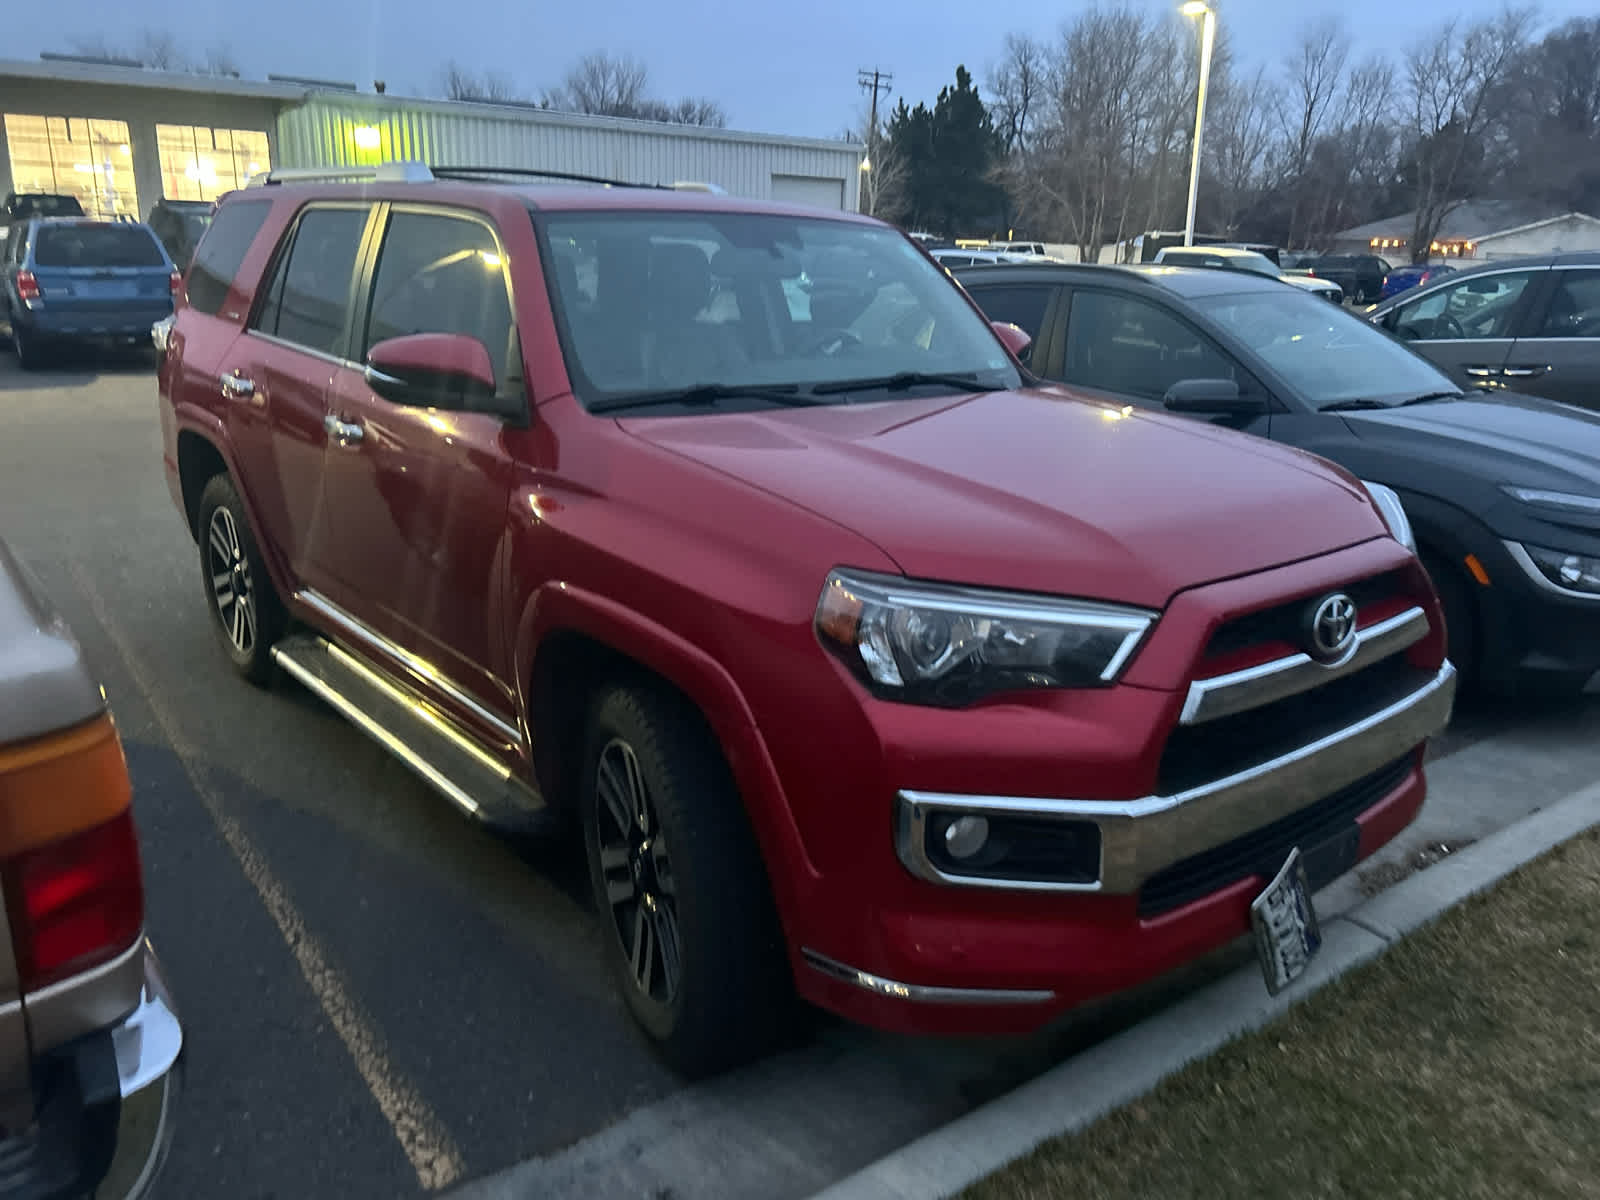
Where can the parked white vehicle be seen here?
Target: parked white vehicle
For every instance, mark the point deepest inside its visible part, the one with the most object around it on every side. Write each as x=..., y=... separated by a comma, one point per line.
x=1229, y=258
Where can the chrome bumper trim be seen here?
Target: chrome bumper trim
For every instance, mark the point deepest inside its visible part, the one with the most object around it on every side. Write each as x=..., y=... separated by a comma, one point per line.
x=149, y=1046
x=1141, y=837
x=1240, y=691
x=917, y=993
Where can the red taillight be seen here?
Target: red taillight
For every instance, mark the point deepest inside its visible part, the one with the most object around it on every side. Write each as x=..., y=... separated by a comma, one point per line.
x=177, y=283
x=27, y=286
x=69, y=857
x=75, y=903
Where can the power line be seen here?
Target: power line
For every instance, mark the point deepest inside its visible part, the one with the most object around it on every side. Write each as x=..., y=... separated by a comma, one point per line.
x=878, y=81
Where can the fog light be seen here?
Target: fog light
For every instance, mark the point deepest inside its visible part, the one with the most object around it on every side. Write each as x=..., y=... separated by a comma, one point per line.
x=965, y=836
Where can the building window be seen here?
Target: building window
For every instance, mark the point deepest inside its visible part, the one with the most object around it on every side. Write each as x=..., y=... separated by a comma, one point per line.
x=74, y=156
x=198, y=163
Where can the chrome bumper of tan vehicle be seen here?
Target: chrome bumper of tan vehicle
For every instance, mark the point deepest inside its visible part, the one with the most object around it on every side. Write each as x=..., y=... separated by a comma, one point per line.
x=149, y=1048
x=1114, y=846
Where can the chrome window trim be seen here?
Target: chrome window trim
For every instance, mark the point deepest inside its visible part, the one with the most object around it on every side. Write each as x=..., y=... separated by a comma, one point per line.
x=1141, y=837
x=920, y=993
x=321, y=604
x=1254, y=687
x=1543, y=581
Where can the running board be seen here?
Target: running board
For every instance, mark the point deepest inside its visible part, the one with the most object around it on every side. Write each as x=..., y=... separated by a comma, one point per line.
x=424, y=739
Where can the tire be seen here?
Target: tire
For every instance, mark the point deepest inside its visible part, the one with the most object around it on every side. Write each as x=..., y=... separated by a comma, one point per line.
x=231, y=568
x=1460, y=619
x=685, y=878
x=29, y=353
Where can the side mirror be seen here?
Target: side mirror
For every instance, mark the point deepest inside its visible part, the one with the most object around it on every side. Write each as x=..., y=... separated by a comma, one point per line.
x=1016, y=338
x=1211, y=397
x=433, y=370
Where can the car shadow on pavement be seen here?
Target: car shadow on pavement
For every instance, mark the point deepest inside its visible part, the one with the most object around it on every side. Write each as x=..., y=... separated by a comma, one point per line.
x=74, y=368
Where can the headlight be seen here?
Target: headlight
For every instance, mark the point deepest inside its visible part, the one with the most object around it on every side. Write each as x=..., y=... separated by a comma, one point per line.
x=1569, y=502
x=1565, y=572
x=933, y=644
x=1394, y=513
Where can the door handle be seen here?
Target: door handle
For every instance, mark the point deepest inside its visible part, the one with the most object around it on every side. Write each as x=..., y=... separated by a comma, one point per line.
x=343, y=432
x=237, y=387
x=1524, y=372
x=1480, y=372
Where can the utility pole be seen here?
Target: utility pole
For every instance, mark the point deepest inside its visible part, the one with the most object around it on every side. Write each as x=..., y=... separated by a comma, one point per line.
x=878, y=81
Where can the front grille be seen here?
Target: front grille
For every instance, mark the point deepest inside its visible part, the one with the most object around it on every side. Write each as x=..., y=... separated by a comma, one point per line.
x=1278, y=628
x=1200, y=754
x=1261, y=852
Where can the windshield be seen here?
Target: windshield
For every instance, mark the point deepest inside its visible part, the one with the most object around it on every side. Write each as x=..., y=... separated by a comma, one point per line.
x=656, y=302
x=1326, y=354
x=96, y=246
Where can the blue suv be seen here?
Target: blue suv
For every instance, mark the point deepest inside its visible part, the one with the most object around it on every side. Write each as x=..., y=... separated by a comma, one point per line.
x=79, y=280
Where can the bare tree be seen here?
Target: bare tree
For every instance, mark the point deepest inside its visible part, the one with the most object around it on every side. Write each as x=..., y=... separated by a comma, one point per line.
x=1239, y=134
x=1454, y=88
x=160, y=50
x=1313, y=77
x=688, y=111
x=488, y=88
x=1018, y=86
x=883, y=175
x=603, y=86
x=219, y=60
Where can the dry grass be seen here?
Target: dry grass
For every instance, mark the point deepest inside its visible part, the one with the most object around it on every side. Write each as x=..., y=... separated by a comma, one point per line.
x=1463, y=1063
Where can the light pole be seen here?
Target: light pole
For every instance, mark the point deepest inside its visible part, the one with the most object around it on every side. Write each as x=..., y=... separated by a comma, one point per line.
x=1199, y=8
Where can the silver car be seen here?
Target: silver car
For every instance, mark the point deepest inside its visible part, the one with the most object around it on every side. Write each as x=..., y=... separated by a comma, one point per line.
x=90, y=1045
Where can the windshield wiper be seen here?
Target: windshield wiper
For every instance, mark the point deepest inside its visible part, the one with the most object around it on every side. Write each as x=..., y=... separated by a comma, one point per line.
x=1353, y=405
x=900, y=382
x=706, y=394
x=1429, y=396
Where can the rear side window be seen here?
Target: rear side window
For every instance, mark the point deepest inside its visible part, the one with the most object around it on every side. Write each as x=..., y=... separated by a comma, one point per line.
x=1022, y=305
x=308, y=299
x=223, y=248
x=97, y=246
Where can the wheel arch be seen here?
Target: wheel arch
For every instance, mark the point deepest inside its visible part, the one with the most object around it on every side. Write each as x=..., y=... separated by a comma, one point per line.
x=570, y=642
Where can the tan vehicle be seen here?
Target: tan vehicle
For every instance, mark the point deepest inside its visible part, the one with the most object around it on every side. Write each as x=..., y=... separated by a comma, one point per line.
x=90, y=1045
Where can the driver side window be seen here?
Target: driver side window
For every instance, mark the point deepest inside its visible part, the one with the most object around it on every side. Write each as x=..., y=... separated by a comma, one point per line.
x=1137, y=349
x=1473, y=308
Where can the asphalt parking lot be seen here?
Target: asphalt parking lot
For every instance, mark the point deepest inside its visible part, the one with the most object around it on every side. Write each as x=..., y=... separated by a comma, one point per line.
x=382, y=1000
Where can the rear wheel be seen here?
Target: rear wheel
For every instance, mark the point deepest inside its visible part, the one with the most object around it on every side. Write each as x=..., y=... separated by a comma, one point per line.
x=247, y=613
x=29, y=356
x=692, y=933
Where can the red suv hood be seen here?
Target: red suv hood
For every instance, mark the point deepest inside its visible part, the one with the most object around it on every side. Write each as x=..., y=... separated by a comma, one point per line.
x=1038, y=491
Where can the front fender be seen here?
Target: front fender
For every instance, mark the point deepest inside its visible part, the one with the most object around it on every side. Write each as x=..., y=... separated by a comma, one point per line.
x=558, y=608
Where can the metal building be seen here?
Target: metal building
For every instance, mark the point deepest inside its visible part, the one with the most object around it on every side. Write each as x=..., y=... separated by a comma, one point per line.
x=120, y=137
x=343, y=129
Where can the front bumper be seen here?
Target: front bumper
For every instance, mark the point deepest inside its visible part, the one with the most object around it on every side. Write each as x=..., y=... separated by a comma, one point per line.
x=1533, y=629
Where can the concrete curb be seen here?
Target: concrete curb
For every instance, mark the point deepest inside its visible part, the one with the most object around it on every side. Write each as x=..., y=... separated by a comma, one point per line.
x=1124, y=1067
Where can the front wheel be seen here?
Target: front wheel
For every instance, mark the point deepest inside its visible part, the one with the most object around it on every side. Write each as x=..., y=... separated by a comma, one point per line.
x=1460, y=621
x=691, y=929
x=248, y=615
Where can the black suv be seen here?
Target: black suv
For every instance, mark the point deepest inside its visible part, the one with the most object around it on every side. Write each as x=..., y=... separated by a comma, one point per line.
x=1503, y=491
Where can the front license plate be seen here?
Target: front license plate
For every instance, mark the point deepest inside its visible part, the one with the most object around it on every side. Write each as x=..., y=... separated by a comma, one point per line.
x=1285, y=923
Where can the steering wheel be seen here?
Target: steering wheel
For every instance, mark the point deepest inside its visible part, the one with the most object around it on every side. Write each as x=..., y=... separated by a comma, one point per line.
x=833, y=341
x=1449, y=326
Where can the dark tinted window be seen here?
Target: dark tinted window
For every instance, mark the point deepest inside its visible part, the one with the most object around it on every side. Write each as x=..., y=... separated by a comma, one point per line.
x=441, y=274
x=1575, y=308
x=1020, y=304
x=23, y=207
x=308, y=300
x=96, y=246
x=1135, y=348
x=223, y=248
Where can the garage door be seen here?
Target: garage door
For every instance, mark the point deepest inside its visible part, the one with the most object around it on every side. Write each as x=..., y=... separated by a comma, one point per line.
x=817, y=191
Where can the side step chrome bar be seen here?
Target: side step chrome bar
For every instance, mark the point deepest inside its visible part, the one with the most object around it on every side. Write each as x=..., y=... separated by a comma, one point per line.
x=419, y=736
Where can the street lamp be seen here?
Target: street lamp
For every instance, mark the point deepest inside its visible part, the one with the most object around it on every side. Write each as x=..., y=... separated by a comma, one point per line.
x=1199, y=8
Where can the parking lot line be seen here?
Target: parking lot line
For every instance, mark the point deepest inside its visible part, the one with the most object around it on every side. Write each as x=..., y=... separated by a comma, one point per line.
x=422, y=1136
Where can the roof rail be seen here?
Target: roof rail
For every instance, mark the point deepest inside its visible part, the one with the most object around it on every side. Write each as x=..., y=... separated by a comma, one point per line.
x=389, y=172
x=454, y=172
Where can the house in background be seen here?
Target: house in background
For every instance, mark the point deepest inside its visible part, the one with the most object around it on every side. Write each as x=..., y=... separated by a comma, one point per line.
x=1478, y=231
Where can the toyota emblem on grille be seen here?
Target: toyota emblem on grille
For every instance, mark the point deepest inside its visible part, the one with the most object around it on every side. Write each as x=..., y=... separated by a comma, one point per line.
x=1331, y=629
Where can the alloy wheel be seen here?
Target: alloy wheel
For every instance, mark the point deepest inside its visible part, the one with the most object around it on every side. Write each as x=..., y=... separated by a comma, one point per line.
x=640, y=890
x=231, y=587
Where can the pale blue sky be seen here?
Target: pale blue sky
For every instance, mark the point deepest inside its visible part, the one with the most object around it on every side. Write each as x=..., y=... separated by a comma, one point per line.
x=781, y=68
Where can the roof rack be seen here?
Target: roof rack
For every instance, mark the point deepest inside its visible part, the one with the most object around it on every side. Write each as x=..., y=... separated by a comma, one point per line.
x=533, y=173
x=389, y=172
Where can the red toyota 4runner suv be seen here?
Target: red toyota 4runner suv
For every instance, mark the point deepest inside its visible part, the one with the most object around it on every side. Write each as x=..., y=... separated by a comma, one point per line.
x=872, y=668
